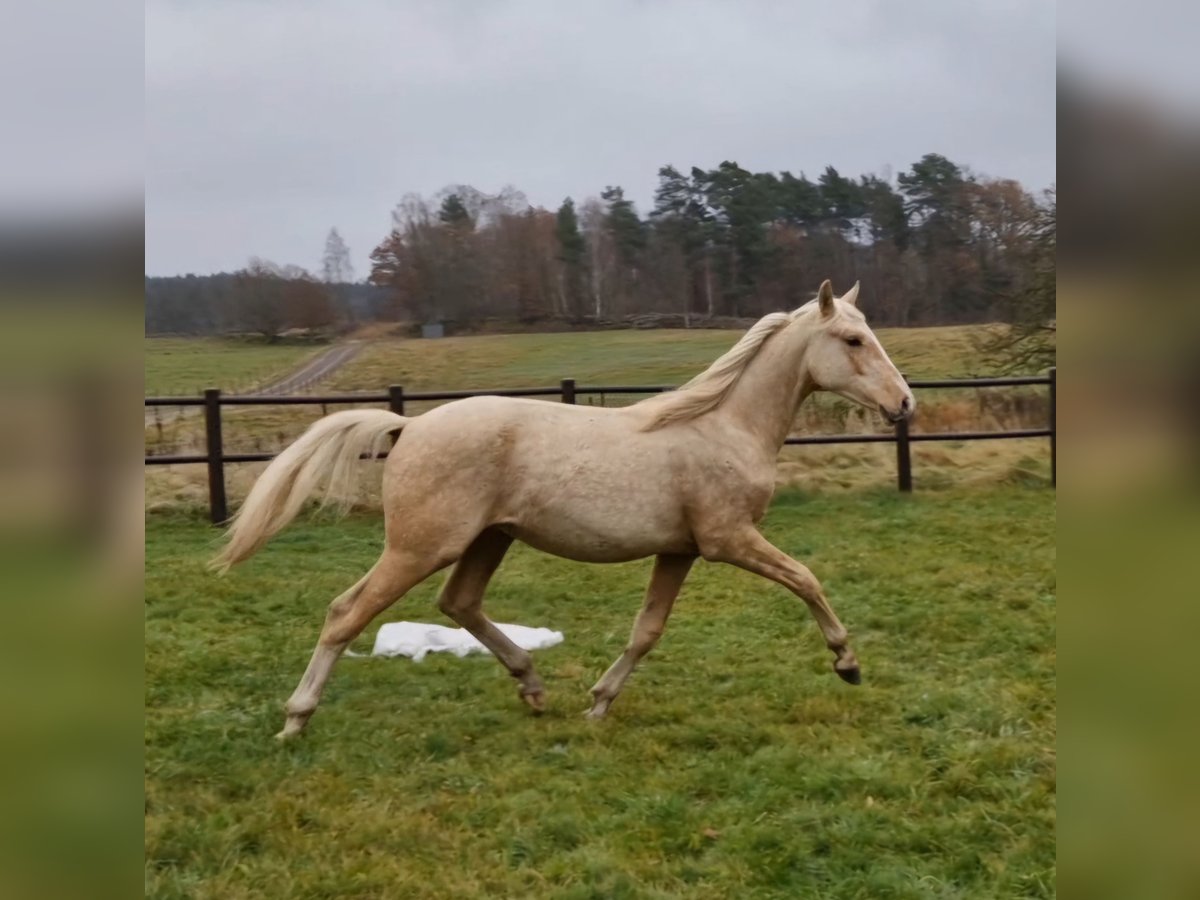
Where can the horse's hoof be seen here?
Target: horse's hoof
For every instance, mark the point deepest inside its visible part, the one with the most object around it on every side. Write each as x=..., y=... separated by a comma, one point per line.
x=536, y=701
x=598, y=711
x=850, y=676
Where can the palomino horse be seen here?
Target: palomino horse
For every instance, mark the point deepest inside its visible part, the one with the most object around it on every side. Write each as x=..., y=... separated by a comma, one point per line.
x=676, y=476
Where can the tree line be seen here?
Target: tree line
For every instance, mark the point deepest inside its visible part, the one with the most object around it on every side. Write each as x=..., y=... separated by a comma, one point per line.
x=264, y=298
x=938, y=245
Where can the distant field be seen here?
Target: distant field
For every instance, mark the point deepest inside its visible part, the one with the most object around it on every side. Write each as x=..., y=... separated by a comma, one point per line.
x=610, y=357
x=735, y=764
x=189, y=365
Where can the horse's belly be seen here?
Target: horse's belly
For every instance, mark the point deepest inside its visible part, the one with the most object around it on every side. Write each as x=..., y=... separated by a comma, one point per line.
x=595, y=548
x=600, y=535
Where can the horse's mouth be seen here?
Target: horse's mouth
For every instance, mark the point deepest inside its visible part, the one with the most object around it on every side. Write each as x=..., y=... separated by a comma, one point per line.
x=907, y=407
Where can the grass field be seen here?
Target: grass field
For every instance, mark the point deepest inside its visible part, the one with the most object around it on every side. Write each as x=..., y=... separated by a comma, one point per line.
x=190, y=365
x=735, y=765
x=611, y=357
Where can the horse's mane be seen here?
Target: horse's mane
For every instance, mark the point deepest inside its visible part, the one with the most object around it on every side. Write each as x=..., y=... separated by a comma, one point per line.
x=706, y=391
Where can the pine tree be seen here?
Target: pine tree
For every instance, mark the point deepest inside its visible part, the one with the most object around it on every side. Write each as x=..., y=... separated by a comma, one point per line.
x=885, y=208
x=937, y=205
x=570, y=239
x=800, y=200
x=743, y=203
x=841, y=196
x=454, y=214
x=459, y=276
x=571, y=250
x=624, y=225
x=681, y=216
x=932, y=188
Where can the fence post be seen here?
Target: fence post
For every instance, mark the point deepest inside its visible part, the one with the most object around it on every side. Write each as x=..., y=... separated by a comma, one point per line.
x=903, y=454
x=396, y=399
x=1053, y=426
x=396, y=405
x=218, y=509
x=568, y=390
x=903, y=457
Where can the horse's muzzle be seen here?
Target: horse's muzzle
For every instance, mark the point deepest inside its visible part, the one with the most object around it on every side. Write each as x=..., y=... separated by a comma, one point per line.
x=905, y=411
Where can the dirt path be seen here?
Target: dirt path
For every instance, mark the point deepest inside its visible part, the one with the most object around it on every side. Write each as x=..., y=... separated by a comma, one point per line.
x=314, y=371
x=308, y=375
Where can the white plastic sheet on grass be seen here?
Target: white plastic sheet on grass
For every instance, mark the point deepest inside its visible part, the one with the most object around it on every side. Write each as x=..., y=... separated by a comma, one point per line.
x=415, y=639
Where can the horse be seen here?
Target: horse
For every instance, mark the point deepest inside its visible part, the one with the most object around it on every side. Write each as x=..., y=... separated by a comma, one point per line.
x=679, y=476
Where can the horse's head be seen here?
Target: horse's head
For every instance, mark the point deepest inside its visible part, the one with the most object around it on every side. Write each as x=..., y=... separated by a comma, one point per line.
x=845, y=357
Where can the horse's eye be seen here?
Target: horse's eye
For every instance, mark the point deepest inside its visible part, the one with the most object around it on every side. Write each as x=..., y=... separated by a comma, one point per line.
x=854, y=342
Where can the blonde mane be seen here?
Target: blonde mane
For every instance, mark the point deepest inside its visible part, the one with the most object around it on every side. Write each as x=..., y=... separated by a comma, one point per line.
x=706, y=391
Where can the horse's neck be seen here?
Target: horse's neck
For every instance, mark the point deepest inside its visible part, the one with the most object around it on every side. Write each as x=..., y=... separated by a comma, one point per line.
x=766, y=397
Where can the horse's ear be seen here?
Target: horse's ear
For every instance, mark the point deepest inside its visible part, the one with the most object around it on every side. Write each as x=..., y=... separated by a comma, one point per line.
x=825, y=298
x=851, y=296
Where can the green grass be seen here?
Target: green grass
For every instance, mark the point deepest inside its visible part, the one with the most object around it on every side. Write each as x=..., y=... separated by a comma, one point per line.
x=189, y=365
x=734, y=765
x=609, y=357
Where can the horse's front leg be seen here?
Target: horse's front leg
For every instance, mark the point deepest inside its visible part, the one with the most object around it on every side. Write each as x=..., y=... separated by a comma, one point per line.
x=751, y=551
x=665, y=582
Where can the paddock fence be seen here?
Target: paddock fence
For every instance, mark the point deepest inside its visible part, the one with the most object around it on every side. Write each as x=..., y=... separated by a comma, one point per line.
x=567, y=391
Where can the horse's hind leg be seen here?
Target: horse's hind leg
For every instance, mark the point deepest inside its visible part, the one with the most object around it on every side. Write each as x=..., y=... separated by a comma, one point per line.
x=462, y=601
x=394, y=575
x=665, y=582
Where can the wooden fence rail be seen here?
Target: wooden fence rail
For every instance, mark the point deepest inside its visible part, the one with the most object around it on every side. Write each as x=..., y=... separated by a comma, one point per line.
x=567, y=392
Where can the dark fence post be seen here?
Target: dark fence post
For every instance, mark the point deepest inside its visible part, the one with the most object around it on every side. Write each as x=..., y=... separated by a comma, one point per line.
x=218, y=509
x=396, y=405
x=903, y=457
x=1053, y=426
x=903, y=454
x=568, y=390
x=396, y=399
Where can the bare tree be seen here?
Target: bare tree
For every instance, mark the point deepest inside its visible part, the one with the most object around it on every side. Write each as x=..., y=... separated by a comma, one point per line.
x=308, y=302
x=1029, y=341
x=335, y=264
x=601, y=254
x=258, y=299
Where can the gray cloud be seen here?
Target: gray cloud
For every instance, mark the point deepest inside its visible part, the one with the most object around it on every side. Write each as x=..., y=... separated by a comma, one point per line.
x=267, y=123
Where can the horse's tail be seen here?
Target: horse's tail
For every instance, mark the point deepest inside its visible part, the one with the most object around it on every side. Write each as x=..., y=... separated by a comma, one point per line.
x=327, y=452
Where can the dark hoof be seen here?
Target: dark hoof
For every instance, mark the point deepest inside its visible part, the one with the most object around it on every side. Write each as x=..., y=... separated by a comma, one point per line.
x=850, y=676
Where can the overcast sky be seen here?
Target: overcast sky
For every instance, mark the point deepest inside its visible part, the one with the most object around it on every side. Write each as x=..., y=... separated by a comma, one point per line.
x=269, y=122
